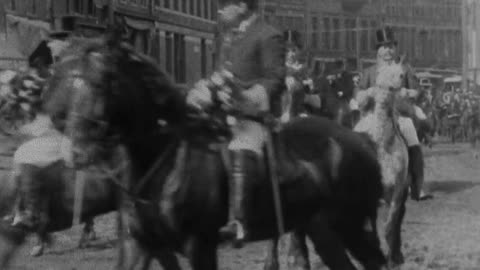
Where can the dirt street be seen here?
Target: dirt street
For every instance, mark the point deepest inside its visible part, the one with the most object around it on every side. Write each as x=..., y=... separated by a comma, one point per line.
x=443, y=233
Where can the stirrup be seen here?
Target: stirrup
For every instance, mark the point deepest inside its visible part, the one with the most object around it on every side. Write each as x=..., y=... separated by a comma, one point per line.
x=235, y=232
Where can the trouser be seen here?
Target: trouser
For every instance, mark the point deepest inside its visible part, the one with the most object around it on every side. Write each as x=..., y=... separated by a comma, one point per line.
x=30, y=192
x=245, y=147
x=416, y=162
x=416, y=169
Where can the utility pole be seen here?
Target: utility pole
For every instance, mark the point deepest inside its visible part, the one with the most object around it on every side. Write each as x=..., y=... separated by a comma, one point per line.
x=464, y=44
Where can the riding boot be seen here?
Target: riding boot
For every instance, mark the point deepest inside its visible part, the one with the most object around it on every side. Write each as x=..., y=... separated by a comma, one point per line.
x=17, y=204
x=242, y=169
x=416, y=168
x=32, y=202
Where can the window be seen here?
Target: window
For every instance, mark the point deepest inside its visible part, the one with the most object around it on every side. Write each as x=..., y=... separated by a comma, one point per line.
x=336, y=34
x=373, y=37
x=77, y=6
x=143, y=3
x=203, y=56
x=169, y=52
x=326, y=33
x=314, y=33
x=364, y=36
x=166, y=4
x=350, y=38
x=175, y=4
x=214, y=10
x=184, y=6
x=13, y=5
x=192, y=7
x=67, y=7
x=156, y=4
x=179, y=58
x=175, y=56
x=199, y=8
x=34, y=7
x=206, y=9
x=90, y=8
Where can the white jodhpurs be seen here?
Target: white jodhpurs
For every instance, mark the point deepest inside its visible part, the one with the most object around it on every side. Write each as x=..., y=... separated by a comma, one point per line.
x=408, y=131
x=405, y=124
x=248, y=135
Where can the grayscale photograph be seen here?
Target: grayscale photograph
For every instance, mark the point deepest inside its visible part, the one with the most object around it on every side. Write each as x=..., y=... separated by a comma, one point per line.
x=239, y=134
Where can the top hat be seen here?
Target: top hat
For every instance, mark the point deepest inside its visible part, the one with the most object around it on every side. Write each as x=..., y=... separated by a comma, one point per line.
x=385, y=36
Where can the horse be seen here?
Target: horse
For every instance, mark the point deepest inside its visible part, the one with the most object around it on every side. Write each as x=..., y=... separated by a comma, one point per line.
x=331, y=177
x=100, y=197
x=381, y=125
x=58, y=186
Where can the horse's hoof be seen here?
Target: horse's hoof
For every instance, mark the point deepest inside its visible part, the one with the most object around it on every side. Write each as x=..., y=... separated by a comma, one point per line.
x=36, y=251
x=396, y=261
x=271, y=266
x=296, y=263
x=92, y=236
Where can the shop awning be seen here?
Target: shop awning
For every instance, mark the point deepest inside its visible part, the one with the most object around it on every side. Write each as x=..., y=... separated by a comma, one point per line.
x=26, y=33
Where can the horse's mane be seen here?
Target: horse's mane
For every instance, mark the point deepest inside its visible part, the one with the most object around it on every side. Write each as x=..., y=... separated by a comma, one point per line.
x=135, y=88
x=136, y=81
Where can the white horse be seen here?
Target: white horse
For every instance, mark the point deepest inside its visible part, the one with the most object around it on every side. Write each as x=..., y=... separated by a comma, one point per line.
x=382, y=124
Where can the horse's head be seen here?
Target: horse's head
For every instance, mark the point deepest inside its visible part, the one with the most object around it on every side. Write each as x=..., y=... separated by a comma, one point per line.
x=110, y=95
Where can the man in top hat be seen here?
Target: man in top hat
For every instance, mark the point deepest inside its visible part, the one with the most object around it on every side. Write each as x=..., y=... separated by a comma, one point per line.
x=254, y=53
x=386, y=54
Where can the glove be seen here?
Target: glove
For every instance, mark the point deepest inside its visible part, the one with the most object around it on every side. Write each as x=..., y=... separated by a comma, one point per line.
x=256, y=99
x=200, y=96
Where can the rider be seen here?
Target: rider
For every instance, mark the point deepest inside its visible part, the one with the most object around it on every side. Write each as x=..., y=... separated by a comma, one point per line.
x=254, y=52
x=386, y=54
x=46, y=146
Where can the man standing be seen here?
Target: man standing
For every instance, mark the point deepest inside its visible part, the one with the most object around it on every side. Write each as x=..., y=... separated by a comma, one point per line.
x=386, y=54
x=46, y=146
x=254, y=53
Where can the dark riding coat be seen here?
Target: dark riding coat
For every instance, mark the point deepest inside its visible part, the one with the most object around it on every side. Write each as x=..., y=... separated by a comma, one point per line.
x=256, y=56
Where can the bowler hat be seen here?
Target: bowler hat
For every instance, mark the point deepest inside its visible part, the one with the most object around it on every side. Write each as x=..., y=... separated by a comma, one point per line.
x=385, y=36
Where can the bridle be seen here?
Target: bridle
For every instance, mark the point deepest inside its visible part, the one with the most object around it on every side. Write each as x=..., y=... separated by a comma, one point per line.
x=125, y=166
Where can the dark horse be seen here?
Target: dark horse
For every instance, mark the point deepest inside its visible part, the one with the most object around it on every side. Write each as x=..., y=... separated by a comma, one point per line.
x=330, y=187
x=57, y=188
x=58, y=192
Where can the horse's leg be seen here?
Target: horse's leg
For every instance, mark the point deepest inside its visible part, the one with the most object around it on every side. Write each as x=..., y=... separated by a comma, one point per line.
x=202, y=252
x=11, y=239
x=364, y=244
x=42, y=239
x=167, y=259
x=135, y=256
x=393, y=225
x=271, y=259
x=88, y=234
x=298, y=251
x=327, y=244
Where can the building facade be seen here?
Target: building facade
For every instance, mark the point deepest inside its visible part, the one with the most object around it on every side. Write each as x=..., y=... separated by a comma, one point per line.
x=428, y=32
x=178, y=34
x=472, y=38
x=289, y=17
x=342, y=31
